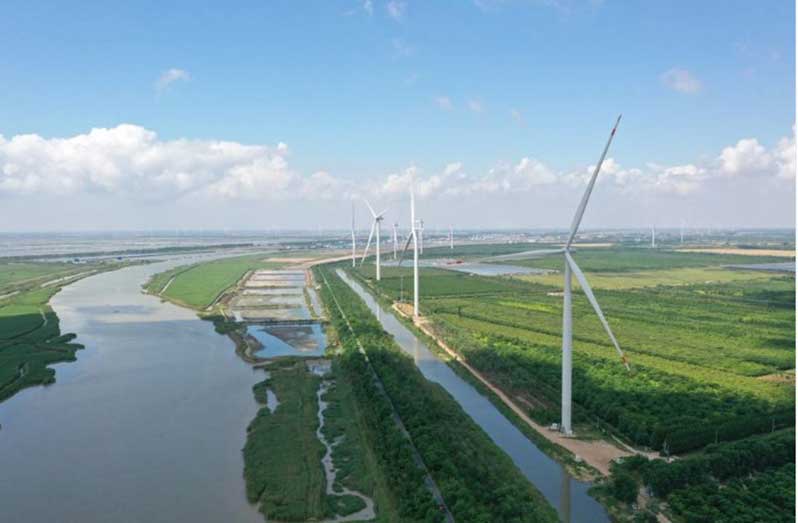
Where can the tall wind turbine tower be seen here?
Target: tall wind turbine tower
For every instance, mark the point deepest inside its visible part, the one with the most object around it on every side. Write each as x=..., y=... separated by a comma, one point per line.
x=653, y=237
x=421, y=236
x=354, y=253
x=375, y=225
x=395, y=239
x=572, y=269
x=451, y=238
x=413, y=236
x=681, y=233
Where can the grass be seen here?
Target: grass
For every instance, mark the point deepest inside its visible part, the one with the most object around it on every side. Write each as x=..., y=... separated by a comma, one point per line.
x=282, y=456
x=653, y=278
x=634, y=259
x=198, y=286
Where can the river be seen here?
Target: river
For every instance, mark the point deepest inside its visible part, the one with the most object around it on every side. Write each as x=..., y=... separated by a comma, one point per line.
x=568, y=495
x=146, y=426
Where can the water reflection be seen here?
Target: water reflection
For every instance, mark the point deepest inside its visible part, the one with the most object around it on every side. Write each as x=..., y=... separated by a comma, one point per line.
x=565, y=493
x=147, y=425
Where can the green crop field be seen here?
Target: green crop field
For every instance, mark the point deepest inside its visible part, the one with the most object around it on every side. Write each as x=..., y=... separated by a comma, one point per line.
x=198, y=286
x=702, y=350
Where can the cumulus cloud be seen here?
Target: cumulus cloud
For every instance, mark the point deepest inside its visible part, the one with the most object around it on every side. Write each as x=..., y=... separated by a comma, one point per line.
x=171, y=76
x=396, y=9
x=475, y=105
x=133, y=162
x=681, y=80
x=444, y=103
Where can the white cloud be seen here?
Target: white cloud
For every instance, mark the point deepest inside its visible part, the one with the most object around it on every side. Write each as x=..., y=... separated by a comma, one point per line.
x=444, y=103
x=368, y=7
x=475, y=105
x=681, y=80
x=171, y=76
x=517, y=116
x=396, y=9
x=401, y=48
x=136, y=165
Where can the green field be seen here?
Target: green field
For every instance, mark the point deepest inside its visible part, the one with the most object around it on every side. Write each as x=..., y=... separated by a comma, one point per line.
x=198, y=286
x=700, y=350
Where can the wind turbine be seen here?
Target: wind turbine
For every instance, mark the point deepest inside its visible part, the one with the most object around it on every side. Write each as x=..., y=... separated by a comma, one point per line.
x=421, y=236
x=412, y=236
x=567, y=310
x=653, y=237
x=374, y=225
x=451, y=238
x=354, y=253
x=395, y=239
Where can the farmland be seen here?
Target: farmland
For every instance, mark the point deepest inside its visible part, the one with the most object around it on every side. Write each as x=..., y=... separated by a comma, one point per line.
x=698, y=350
x=705, y=343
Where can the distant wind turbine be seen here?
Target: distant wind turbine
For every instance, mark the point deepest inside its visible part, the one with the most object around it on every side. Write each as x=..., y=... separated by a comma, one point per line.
x=567, y=310
x=375, y=225
x=451, y=238
x=354, y=253
x=412, y=236
x=395, y=239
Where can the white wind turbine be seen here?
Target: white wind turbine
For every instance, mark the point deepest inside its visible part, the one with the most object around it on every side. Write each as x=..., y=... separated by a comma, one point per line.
x=412, y=236
x=567, y=310
x=395, y=239
x=354, y=253
x=374, y=225
x=451, y=238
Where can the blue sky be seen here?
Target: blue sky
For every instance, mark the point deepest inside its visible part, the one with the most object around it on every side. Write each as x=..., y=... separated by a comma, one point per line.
x=360, y=90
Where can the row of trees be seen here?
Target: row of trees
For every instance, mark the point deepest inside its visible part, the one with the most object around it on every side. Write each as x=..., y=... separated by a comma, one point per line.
x=405, y=480
x=479, y=482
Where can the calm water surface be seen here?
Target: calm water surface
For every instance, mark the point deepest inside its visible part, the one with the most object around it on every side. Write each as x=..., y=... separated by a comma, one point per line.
x=147, y=425
x=568, y=495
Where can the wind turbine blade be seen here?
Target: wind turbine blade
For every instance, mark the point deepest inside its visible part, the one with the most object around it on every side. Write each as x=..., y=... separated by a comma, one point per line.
x=368, y=243
x=580, y=277
x=407, y=244
x=381, y=213
x=523, y=255
x=370, y=208
x=580, y=211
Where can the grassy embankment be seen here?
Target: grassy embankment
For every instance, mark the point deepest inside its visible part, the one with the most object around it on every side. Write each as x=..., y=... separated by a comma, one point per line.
x=30, y=337
x=478, y=481
x=200, y=285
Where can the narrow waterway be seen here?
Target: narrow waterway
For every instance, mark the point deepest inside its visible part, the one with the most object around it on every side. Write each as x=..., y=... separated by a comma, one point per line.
x=568, y=495
x=147, y=425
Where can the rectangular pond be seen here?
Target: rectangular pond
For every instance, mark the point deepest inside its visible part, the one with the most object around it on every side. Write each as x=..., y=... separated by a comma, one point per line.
x=289, y=340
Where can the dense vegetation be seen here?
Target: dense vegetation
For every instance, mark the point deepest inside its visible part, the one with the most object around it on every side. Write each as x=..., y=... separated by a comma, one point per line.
x=707, y=358
x=282, y=455
x=198, y=286
x=479, y=482
x=746, y=481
